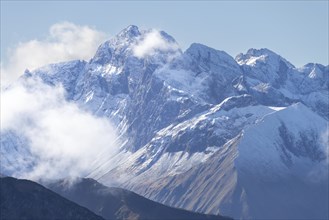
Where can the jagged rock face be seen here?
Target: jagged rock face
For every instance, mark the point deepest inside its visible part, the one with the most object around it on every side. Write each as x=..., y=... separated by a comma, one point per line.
x=23, y=199
x=198, y=121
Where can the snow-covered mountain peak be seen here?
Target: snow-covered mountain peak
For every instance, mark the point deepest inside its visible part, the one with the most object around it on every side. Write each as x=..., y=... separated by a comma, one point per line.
x=118, y=47
x=255, y=57
x=203, y=53
x=265, y=66
x=157, y=46
x=129, y=32
x=168, y=37
x=259, y=52
x=215, y=63
x=315, y=71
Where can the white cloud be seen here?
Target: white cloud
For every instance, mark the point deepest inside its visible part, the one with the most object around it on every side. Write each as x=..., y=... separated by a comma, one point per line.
x=151, y=43
x=65, y=41
x=63, y=140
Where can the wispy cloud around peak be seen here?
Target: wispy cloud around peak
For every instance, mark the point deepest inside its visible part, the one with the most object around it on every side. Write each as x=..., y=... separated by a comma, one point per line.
x=62, y=139
x=65, y=41
x=152, y=42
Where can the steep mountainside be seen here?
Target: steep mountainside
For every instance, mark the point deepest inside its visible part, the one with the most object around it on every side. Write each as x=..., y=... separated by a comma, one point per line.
x=201, y=130
x=116, y=203
x=24, y=199
x=267, y=171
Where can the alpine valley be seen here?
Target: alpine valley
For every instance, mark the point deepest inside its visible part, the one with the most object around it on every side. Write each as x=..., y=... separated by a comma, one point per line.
x=245, y=137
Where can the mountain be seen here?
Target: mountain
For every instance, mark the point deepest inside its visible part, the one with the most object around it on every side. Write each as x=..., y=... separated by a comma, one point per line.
x=24, y=199
x=116, y=203
x=273, y=170
x=244, y=137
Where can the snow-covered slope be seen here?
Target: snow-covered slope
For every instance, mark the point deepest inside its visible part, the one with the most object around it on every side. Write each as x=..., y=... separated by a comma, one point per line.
x=274, y=169
x=199, y=129
x=273, y=80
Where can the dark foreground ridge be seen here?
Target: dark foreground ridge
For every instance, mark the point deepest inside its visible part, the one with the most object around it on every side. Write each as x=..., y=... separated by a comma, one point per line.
x=24, y=199
x=116, y=203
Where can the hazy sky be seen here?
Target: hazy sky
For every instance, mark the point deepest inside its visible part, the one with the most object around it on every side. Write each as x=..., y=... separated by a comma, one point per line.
x=297, y=30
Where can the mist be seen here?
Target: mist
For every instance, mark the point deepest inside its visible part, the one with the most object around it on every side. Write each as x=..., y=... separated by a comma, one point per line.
x=61, y=139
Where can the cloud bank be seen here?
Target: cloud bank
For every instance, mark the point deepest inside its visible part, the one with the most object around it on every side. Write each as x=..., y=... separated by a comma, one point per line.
x=65, y=41
x=151, y=43
x=62, y=139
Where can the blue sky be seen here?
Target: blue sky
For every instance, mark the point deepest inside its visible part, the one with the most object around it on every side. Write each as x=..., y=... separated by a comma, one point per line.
x=297, y=30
